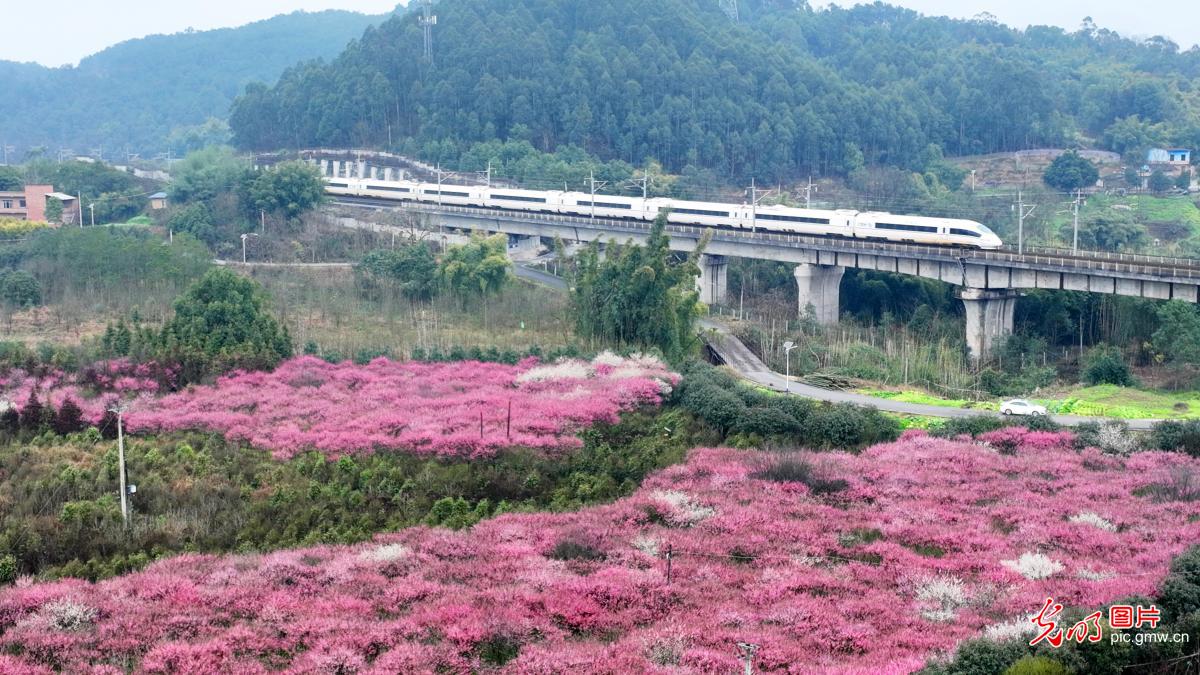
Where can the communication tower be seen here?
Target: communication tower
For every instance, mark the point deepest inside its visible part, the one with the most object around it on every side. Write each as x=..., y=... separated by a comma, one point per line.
x=427, y=21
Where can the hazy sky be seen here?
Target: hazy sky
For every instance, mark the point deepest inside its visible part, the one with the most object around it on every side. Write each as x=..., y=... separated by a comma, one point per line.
x=76, y=28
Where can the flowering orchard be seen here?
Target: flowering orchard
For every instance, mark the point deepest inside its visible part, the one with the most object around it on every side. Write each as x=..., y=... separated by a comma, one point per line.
x=460, y=409
x=94, y=388
x=927, y=542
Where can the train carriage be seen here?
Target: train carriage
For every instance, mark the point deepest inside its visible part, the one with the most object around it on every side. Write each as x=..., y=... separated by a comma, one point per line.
x=603, y=206
x=548, y=201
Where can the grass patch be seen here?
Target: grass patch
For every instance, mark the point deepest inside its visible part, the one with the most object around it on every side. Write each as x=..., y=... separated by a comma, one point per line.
x=1105, y=400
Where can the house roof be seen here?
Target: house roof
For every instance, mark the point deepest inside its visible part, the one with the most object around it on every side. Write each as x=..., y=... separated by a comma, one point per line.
x=158, y=195
x=60, y=196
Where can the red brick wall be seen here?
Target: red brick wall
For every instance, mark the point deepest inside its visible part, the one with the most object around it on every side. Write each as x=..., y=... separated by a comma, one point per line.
x=35, y=200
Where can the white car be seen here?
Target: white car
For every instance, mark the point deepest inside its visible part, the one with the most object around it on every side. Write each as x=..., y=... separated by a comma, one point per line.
x=1019, y=406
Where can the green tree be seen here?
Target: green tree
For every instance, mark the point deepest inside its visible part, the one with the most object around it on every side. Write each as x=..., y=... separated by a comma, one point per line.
x=1184, y=180
x=1108, y=231
x=411, y=269
x=19, y=288
x=1070, y=171
x=1104, y=365
x=639, y=295
x=54, y=210
x=205, y=174
x=10, y=179
x=288, y=188
x=476, y=269
x=1178, y=334
x=194, y=219
x=222, y=323
x=1159, y=181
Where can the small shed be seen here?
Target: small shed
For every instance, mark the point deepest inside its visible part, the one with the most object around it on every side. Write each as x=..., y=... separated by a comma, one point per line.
x=158, y=201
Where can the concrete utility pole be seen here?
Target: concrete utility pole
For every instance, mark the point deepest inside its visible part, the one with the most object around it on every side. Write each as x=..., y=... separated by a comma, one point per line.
x=120, y=412
x=972, y=180
x=244, y=237
x=1075, y=232
x=262, y=213
x=92, y=208
x=441, y=175
x=748, y=649
x=787, y=365
x=592, y=181
x=1022, y=214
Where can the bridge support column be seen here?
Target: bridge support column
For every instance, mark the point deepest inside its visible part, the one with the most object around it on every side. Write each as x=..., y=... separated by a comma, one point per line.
x=324, y=167
x=989, y=318
x=712, y=283
x=522, y=247
x=820, y=286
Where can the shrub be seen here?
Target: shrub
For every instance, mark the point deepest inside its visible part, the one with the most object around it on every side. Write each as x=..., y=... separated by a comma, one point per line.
x=1037, y=665
x=1176, y=436
x=574, y=549
x=969, y=426
x=790, y=469
x=8, y=568
x=1179, y=593
x=1104, y=365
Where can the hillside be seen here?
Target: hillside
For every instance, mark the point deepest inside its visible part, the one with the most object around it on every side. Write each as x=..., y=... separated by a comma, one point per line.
x=137, y=92
x=831, y=563
x=786, y=91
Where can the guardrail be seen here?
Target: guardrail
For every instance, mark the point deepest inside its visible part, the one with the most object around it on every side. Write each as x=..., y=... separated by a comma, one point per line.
x=1046, y=257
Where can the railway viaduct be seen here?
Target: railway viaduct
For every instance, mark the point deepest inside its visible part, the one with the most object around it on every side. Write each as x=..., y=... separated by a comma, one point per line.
x=989, y=282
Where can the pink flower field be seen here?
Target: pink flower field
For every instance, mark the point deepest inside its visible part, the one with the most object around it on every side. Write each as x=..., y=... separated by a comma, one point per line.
x=930, y=542
x=461, y=409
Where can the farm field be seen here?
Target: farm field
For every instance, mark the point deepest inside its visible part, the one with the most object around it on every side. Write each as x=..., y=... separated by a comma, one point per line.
x=843, y=563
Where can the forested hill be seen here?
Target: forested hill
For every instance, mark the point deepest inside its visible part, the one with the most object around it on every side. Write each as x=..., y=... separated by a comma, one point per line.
x=137, y=92
x=786, y=91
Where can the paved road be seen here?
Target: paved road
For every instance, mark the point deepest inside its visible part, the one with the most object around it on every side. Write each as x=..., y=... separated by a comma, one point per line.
x=739, y=357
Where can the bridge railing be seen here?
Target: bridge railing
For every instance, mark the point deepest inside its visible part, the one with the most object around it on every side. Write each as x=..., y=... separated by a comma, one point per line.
x=1085, y=261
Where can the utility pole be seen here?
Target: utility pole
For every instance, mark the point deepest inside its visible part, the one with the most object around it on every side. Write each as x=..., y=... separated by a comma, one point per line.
x=440, y=176
x=1022, y=214
x=79, y=207
x=262, y=213
x=787, y=365
x=92, y=208
x=972, y=180
x=244, y=238
x=592, y=181
x=808, y=190
x=120, y=412
x=748, y=649
x=1075, y=231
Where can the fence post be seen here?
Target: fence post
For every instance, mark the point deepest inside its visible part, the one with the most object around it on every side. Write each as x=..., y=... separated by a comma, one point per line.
x=668, y=563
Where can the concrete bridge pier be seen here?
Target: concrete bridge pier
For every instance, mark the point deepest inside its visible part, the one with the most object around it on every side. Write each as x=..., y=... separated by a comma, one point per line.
x=713, y=282
x=819, y=286
x=989, y=318
x=521, y=247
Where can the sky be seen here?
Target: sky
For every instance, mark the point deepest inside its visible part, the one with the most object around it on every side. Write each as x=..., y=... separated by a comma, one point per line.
x=82, y=27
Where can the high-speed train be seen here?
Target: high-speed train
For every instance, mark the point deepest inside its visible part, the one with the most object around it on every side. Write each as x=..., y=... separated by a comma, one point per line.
x=783, y=219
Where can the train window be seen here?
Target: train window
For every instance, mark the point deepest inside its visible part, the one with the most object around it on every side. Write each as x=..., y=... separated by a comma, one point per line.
x=792, y=219
x=338, y=184
x=606, y=205
x=702, y=212
x=965, y=233
x=447, y=193
x=905, y=228
x=387, y=188
x=519, y=198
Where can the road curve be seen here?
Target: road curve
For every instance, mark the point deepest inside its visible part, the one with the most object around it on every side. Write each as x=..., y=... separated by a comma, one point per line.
x=741, y=360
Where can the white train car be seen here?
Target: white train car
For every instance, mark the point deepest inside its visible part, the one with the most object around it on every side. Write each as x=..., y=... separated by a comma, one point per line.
x=454, y=195
x=706, y=214
x=604, y=206
x=922, y=230
x=523, y=200
x=398, y=190
x=801, y=221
